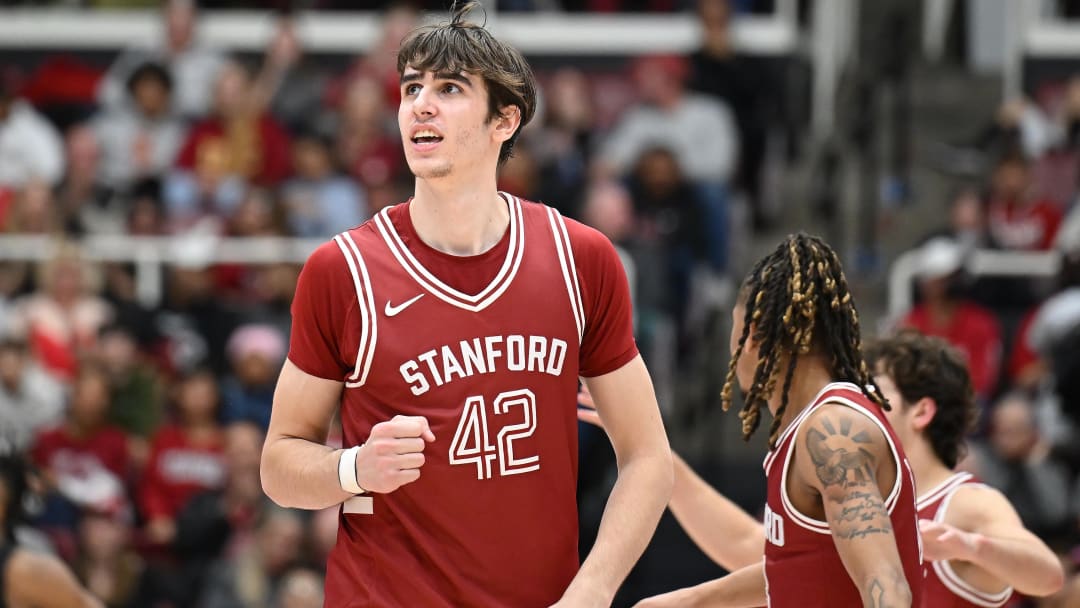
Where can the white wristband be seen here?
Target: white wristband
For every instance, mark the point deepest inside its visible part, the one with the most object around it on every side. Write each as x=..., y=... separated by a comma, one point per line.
x=346, y=471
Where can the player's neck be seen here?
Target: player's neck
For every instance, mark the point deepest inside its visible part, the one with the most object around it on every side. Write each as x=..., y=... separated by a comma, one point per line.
x=811, y=375
x=929, y=471
x=458, y=221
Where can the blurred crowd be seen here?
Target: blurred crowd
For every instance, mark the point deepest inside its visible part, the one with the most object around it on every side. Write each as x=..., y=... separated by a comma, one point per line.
x=145, y=420
x=591, y=6
x=1017, y=187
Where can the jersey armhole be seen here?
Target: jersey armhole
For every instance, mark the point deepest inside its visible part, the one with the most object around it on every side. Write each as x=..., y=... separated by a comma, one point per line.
x=817, y=525
x=953, y=581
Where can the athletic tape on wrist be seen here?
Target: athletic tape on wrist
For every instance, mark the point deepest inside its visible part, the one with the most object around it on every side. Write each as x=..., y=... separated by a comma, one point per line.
x=347, y=471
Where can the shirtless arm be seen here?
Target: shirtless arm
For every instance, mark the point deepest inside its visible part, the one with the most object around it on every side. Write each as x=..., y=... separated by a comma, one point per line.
x=840, y=454
x=982, y=528
x=42, y=581
x=719, y=527
x=299, y=471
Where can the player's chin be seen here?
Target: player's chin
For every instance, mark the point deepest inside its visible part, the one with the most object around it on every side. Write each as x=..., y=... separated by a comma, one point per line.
x=429, y=170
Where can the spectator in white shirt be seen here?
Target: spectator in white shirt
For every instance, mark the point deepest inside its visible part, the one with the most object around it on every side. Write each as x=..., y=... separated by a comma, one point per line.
x=140, y=139
x=194, y=67
x=699, y=129
x=30, y=146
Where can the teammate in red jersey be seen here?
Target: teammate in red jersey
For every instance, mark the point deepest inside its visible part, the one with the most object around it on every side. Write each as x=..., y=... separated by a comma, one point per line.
x=978, y=548
x=450, y=331
x=840, y=523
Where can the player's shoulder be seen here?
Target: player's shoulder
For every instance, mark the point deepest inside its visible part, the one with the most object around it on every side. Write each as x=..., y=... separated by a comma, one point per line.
x=44, y=577
x=839, y=420
x=975, y=502
x=332, y=253
x=34, y=566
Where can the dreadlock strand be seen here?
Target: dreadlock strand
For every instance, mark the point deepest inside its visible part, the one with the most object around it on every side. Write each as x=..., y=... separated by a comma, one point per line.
x=774, y=429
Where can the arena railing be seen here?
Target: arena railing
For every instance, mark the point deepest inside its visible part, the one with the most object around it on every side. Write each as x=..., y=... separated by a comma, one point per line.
x=150, y=255
x=979, y=263
x=1036, y=34
x=550, y=34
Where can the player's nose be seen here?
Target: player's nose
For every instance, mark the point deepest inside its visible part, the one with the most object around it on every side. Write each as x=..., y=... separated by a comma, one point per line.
x=424, y=103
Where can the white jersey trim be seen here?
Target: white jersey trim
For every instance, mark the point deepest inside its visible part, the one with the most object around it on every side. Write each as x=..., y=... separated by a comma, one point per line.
x=939, y=491
x=569, y=268
x=768, y=598
x=369, y=331
x=771, y=456
x=952, y=580
x=431, y=283
x=816, y=525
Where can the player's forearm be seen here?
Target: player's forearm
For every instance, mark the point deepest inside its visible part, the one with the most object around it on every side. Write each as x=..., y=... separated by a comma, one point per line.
x=726, y=533
x=744, y=588
x=633, y=510
x=1026, y=564
x=301, y=474
x=885, y=587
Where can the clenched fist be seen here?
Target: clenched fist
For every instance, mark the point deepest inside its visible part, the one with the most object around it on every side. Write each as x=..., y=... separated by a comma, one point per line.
x=393, y=454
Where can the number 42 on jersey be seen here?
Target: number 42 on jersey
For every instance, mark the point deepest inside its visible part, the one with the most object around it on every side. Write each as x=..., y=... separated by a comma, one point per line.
x=473, y=443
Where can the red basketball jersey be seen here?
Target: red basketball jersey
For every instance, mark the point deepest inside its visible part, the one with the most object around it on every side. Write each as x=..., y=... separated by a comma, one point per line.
x=802, y=566
x=492, y=521
x=944, y=588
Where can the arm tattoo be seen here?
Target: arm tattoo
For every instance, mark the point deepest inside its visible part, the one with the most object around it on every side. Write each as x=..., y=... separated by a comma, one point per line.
x=846, y=470
x=878, y=597
x=877, y=594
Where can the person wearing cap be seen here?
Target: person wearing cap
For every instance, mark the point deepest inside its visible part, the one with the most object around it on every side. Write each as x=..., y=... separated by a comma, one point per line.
x=945, y=313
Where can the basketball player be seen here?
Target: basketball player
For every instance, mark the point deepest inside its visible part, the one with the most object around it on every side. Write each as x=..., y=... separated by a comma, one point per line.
x=28, y=578
x=980, y=549
x=840, y=517
x=449, y=331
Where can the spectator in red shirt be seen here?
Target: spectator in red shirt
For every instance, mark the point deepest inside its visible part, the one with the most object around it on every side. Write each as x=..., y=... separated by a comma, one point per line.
x=966, y=325
x=185, y=457
x=256, y=146
x=1017, y=220
x=239, y=144
x=85, y=459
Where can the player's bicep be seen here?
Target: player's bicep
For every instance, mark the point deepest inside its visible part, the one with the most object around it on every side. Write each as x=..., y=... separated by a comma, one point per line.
x=839, y=454
x=627, y=405
x=303, y=406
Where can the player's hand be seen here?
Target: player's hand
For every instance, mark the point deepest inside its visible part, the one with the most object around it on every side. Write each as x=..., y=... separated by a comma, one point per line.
x=393, y=454
x=587, y=408
x=944, y=542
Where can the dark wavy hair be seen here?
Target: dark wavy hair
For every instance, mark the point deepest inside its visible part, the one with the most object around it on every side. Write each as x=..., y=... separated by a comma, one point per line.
x=925, y=366
x=460, y=46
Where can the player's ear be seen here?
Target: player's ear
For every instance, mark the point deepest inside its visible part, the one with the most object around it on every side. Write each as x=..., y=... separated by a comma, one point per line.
x=923, y=412
x=506, y=123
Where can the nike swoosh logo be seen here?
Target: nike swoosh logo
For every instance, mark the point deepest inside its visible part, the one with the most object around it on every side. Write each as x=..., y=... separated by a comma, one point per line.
x=393, y=311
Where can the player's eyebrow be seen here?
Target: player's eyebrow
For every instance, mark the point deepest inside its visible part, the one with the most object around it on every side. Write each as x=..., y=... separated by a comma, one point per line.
x=455, y=76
